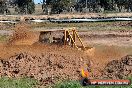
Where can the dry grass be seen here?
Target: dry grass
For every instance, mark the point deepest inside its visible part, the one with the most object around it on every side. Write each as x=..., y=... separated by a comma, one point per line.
x=86, y=26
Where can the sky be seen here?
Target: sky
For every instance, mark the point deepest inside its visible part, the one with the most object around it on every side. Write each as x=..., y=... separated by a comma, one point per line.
x=38, y=1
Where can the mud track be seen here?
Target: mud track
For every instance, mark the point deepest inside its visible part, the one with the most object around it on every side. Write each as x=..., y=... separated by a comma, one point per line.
x=48, y=64
x=22, y=56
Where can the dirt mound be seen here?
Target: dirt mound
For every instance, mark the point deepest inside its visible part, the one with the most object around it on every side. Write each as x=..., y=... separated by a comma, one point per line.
x=119, y=69
x=23, y=35
x=130, y=24
x=47, y=68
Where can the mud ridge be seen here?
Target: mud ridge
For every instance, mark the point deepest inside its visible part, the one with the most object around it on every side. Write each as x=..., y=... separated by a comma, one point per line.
x=119, y=69
x=47, y=68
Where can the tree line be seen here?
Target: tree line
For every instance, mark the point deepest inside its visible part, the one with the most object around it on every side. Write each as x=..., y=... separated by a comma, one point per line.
x=59, y=6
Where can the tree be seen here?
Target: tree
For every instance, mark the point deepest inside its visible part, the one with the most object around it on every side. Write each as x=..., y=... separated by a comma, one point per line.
x=2, y=6
x=58, y=6
x=25, y=6
x=30, y=7
x=93, y=5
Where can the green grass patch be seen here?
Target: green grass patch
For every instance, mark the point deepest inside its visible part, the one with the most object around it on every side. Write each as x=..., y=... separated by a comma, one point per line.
x=68, y=84
x=17, y=83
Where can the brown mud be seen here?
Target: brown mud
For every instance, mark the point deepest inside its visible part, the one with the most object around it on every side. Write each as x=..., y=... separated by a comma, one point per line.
x=24, y=56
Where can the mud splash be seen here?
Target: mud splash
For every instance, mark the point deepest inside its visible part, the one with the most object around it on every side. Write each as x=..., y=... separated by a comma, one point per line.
x=23, y=35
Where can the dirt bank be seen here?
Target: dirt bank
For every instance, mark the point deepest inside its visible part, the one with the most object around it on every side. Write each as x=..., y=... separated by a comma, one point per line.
x=48, y=64
x=119, y=69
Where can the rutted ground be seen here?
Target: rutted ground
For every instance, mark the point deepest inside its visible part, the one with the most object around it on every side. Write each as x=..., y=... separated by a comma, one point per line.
x=22, y=56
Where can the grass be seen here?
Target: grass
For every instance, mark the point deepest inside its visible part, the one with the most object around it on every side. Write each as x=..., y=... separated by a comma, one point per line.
x=68, y=84
x=83, y=26
x=86, y=25
x=89, y=24
x=17, y=83
x=32, y=83
x=76, y=84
